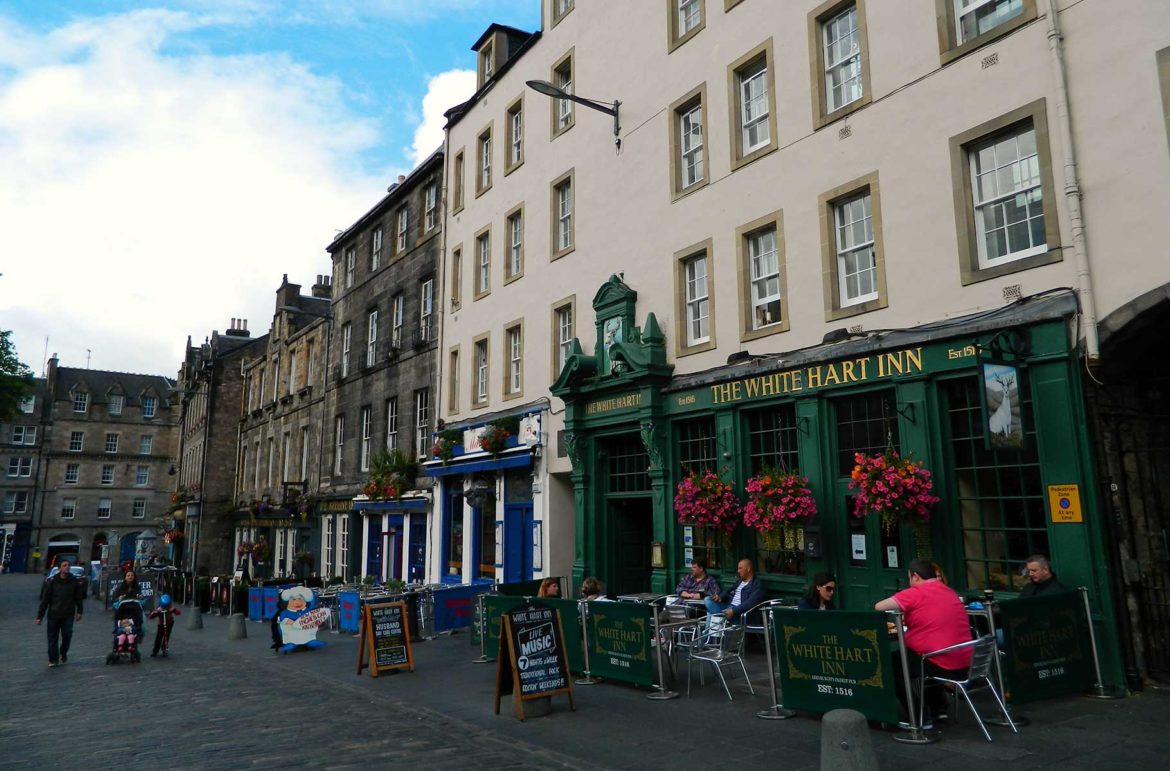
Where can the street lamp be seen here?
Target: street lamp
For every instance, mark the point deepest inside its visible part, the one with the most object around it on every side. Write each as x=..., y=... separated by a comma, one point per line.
x=609, y=108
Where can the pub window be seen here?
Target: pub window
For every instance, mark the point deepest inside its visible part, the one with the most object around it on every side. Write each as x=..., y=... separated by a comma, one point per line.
x=868, y=424
x=772, y=444
x=628, y=464
x=697, y=454
x=999, y=494
x=453, y=537
x=487, y=539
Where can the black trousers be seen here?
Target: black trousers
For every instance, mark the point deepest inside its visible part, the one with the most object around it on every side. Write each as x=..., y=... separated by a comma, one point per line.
x=59, y=629
x=935, y=696
x=162, y=635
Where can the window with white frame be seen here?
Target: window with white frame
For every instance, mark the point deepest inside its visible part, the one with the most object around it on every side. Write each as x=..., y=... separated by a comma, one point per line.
x=24, y=434
x=515, y=244
x=149, y=405
x=481, y=371
x=856, y=257
x=560, y=8
x=270, y=476
x=142, y=476
x=256, y=469
x=292, y=371
x=690, y=13
x=690, y=127
x=430, y=207
x=20, y=466
x=350, y=265
x=457, y=174
x=842, y=52
x=308, y=363
x=753, y=106
x=145, y=444
x=514, y=345
x=563, y=79
x=564, y=332
x=371, y=338
x=346, y=341
x=403, y=218
x=487, y=57
x=104, y=508
x=697, y=300
x=453, y=382
x=397, y=320
x=304, y=454
x=392, y=423
x=422, y=421
x=343, y=545
x=28, y=404
x=338, y=442
x=376, y=248
x=72, y=473
x=1009, y=201
x=327, y=548
x=68, y=508
x=515, y=134
x=286, y=457
x=76, y=441
x=764, y=263
x=111, y=443
x=116, y=403
x=975, y=17
x=483, y=248
x=138, y=509
x=564, y=213
x=484, y=179
x=108, y=474
x=426, y=309
x=366, y=434
x=80, y=401
x=15, y=502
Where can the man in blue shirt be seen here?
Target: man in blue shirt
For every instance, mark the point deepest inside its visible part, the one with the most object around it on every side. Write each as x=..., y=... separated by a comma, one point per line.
x=745, y=595
x=697, y=585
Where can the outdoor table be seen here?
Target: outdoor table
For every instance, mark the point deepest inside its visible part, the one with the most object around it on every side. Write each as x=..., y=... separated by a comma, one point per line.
x=646, y=598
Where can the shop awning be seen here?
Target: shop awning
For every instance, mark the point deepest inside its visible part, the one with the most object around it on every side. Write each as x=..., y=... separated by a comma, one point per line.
x=405, y=504
x=479, y=462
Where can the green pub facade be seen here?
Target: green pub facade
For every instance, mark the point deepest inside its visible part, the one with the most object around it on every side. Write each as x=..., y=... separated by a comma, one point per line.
x=991, y=404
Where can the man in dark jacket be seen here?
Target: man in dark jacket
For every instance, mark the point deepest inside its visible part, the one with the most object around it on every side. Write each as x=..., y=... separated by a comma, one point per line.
x=1041, y=579
x=739, y=599
x=61, y=600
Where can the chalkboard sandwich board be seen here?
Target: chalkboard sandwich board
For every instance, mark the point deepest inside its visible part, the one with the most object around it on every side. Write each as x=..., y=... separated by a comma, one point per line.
x=532, y=663
x=385, y=633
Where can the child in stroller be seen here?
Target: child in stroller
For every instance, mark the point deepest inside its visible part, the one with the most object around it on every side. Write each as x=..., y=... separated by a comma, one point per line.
x=128, y=622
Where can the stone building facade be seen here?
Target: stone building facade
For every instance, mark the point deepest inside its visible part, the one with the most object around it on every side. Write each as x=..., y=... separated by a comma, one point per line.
x=20, y=467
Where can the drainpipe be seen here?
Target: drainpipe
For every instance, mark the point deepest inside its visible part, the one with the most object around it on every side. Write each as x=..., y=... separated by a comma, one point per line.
x=1072, y=188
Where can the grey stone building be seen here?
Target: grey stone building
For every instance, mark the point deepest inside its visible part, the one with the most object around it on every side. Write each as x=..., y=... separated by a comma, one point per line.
x=211, y=386
x=382, y=379
x=20, y=449
x=108, y=445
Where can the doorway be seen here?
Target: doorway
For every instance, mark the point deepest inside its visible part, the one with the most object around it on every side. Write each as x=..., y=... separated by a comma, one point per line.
x=631, y=530
x=517, y=525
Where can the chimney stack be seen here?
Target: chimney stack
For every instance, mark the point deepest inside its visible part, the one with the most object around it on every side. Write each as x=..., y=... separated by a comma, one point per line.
x=238, y=328
x=323, y=289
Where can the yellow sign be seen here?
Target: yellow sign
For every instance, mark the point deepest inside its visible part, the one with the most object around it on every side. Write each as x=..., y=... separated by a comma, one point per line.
x=1064, y=501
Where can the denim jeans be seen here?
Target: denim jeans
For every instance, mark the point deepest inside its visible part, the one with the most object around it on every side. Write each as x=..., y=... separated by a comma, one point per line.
x=64, y=628
x=714, y=607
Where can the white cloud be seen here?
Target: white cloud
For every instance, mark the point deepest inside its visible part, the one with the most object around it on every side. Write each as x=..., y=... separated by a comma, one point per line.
x=147, y=197
x=444, y=91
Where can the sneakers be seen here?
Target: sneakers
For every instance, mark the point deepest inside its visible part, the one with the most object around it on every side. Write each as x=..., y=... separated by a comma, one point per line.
x=64, y=659
x=53, y=664
x=927, y=725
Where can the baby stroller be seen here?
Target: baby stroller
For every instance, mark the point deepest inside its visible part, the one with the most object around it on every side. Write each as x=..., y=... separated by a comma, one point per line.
x=128, y=622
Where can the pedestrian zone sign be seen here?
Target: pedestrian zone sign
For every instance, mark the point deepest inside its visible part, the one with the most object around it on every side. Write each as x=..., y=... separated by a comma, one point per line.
x=1064, y=502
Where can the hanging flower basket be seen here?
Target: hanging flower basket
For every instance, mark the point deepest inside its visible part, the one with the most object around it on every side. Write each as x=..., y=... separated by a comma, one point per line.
x=172, y=536
x=494, y=439
x=443, y=449
x=705, y=499
x=779, y=502
x=261, y=551
x=896, y=488
x=244, y=549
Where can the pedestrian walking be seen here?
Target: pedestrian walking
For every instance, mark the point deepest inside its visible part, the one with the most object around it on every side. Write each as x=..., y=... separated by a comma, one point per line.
x=61, y=601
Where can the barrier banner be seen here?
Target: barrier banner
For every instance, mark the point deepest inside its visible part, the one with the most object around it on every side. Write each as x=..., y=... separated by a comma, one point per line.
x=619, y=635
x=454, y=606
x=348, y=611
x=520, y=588
x=836, y=660
x=494, y=606
x=1046, y=644
x=571, y=623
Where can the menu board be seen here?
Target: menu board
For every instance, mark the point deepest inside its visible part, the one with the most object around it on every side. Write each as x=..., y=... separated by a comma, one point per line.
x=385, y=634
x=531, y=663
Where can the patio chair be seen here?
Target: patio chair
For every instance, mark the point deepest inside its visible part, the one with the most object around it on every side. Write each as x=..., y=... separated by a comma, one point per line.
x=983, y=651
x=720, y=645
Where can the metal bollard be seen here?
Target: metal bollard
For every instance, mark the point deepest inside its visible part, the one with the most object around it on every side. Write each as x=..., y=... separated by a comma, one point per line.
x=586, y=677
x=1099, y=690
x=237, y=628
x=845, y=742
x=194, y=619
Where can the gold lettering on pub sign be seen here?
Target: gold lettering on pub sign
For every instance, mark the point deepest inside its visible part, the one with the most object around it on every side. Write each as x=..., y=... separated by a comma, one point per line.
x=860, y=370
x=961, y=353
x=831, y=655
x=613, y=403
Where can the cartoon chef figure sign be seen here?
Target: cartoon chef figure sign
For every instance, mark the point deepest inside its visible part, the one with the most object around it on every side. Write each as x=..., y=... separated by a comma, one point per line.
x=298, y=624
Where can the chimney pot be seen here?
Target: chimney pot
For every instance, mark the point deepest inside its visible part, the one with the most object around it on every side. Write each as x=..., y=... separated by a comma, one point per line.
x=401, y=178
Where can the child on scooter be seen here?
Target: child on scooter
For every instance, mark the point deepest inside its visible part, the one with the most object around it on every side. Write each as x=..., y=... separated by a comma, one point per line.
x=165, y=613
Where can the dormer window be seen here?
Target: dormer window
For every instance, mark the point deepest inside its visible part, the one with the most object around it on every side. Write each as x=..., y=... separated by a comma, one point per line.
x=487, y=58
x=80, y=401
x=116, y=403
x=149, y=404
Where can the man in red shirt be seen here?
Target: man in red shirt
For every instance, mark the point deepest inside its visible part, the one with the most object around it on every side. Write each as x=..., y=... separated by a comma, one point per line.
x=935, y=618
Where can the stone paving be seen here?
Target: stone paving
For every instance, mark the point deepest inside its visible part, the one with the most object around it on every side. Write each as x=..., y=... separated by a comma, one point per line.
x=217, y=704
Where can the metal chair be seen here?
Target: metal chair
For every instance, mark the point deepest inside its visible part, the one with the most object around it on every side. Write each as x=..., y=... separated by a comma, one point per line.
x=983, y=652
x=720, y=645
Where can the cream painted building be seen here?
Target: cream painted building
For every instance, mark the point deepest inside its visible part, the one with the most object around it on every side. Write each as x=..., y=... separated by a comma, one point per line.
x=789, y=174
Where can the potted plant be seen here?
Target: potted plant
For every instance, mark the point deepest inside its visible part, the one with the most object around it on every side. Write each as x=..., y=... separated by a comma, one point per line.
x=494, y=439
x=703, y=498
x=893, y=487
x=392, y=472
x=444, y=447
x=779, y=503
x=261, y=550
x=244, y=549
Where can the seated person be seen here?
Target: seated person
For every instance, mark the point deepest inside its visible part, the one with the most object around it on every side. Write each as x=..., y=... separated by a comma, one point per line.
x=744, y=596
x=549, y=587
x=820, y=594
x=591, y=590
x=935, y=618
x=1041, y=579
x=697, y=585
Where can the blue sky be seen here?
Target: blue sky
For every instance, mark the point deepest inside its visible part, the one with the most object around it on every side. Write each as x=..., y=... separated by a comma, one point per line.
x=233, y=135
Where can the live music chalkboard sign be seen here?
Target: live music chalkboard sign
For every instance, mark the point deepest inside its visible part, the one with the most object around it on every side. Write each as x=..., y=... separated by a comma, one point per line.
x=531, y=662
x=385, y=633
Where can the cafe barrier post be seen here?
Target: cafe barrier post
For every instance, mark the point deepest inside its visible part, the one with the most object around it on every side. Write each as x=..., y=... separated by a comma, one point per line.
x=915, y=734
x=662, y=693
x=480, y=623
x=777, y=710
x=1098, y=690
x=586, y=679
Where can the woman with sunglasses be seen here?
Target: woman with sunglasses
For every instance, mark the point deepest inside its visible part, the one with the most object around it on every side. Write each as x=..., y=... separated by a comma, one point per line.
x=820, y=595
